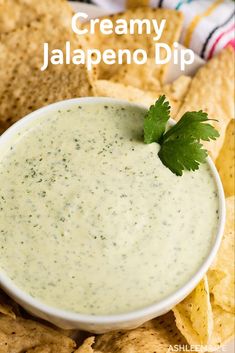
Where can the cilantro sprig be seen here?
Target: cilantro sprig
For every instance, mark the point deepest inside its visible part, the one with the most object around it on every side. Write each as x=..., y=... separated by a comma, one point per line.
x=156, y=120
x=180, y=147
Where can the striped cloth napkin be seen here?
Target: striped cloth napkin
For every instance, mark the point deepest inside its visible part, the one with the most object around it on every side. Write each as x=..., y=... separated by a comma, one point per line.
x=208, y=24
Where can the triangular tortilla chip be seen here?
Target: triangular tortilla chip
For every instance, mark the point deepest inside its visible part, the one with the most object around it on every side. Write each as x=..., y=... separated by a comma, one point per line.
x=225, y=160
x=194, y=315
x=174, y=92
x=105, y=88
x=23, y=86
x=223, y=288
x=21, y=335
x=217, y=307
x=159, y=335
x=86, y=347
x=212, y=90
x=17, y=13
x=135, y=41
x=224, y=324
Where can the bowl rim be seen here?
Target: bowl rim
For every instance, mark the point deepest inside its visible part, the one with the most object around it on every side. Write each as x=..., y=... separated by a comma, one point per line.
x=23, y=297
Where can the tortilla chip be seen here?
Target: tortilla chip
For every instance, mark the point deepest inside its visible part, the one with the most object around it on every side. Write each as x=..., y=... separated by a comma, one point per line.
x=158, y=335
x=22, y=12
x=7, y=306
x=214, y=277
x=102, y=42
x=75, y=334
x=218, y=309
x=132, y=4
x=224, y=293
x=174, y=92
x=86, y=346
x=194, y=315
x=212, y=90
x=20, y=335
x=3, y=345
x=105, y=88
x=201, y=314
x=177, y=91
x=223, y=287
x=48, y=348
x=141, y=76
x=23, y=87
x=7, y=310
x=225, y=160
x=3, y=126
x=224, y=324
x=178, y=88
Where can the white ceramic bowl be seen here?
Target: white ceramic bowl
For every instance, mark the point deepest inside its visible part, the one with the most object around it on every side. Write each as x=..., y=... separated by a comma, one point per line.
x=100, y=324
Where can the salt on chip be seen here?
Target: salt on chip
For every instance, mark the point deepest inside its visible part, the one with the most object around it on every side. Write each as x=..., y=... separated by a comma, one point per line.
x=194, y=316
x=225, y=160
x=100, y=41
x=17, y=13
x=220, y=301
x=158, y=335
x=21, y=335
x=212, y=90
x=223, y=289
x=23, y=86
x=86, y=347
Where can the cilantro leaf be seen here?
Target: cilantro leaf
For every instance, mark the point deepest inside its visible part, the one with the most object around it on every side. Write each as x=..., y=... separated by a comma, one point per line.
x=180, y=147
x=192, y=124
x=156, y=119
x=183, y=153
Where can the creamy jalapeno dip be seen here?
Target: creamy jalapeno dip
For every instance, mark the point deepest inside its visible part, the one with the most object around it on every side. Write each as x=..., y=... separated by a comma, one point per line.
x=91, y=221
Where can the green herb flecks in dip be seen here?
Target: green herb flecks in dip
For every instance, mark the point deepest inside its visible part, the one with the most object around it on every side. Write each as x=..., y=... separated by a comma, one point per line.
x=91, y=221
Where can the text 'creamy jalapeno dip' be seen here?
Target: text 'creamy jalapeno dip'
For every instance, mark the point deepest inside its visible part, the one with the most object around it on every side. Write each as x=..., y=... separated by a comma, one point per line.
x=91, y=221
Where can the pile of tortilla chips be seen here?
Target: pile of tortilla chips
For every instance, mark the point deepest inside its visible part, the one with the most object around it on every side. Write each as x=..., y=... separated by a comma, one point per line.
x=205, y=319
